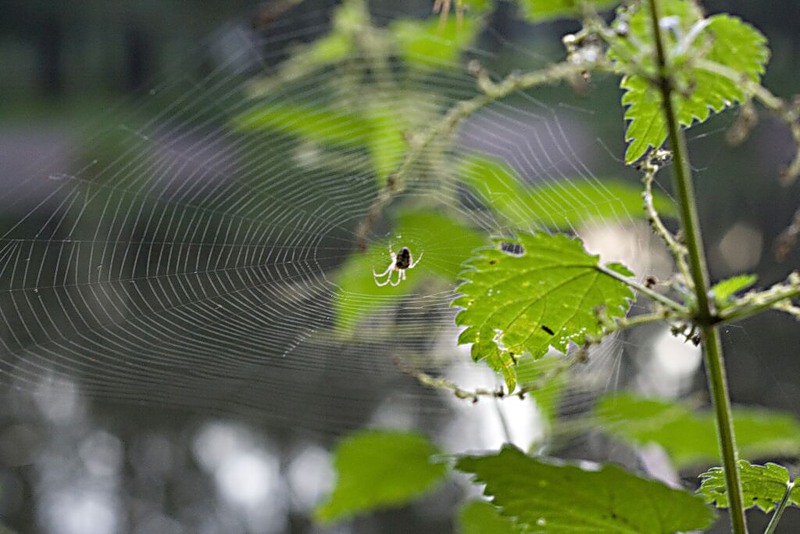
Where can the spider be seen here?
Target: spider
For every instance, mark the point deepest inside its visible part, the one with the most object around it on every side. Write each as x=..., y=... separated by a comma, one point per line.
x=400, y=261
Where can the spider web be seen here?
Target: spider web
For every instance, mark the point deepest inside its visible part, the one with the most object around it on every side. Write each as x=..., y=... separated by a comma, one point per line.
x=188, y=261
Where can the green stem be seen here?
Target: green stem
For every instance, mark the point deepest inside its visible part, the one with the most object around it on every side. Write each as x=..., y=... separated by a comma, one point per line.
x=766, y=302
x=677, y=249
x=715, y=367
x=776, y=516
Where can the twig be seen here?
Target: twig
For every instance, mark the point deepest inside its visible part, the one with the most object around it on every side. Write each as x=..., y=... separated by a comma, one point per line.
x=653, y=164
x=474, y=395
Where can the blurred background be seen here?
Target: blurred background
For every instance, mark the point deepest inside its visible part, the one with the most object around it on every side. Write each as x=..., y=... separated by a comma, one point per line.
x=95, y=444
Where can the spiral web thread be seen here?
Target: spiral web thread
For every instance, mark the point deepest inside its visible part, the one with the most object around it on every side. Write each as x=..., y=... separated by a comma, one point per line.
x=181, y=262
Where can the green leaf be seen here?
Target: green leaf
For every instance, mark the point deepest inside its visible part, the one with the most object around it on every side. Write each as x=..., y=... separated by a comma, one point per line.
x=386, y=141
x=377, y=128
x=560, y=206
x=532, y=293
x=315, y=123
x=761, y=433
x=738, y=45
x=480, y=517
x=358, y=297
x=764, y=486
x=646, y=126
x=378, y=469
x=539, y=10
x=329, y=49
x=549, y=497
x=693, y=46
x=725, y=289
x=689, y=437
x=432, y=44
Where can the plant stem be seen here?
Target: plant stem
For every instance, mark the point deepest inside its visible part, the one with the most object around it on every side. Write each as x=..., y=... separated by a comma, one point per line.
x=776, y=515
x=715, y=367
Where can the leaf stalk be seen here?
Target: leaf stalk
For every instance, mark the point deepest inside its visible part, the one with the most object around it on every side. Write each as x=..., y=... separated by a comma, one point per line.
x=677, y=307
x=776, y=516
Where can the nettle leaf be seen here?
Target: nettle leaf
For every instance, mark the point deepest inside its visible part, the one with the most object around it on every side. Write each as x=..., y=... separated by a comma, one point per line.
x=480, y=517
x=689, y=437
x=532, y=293
x=764, y=486
x=723, y=290
x=378, y=469
x=559, y=206
x=694, y=45
x=539, y=10
x=544, y=496
x=646, y=126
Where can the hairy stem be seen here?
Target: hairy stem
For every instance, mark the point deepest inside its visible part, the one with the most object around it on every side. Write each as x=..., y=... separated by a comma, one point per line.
x=676, y=248
x=715, y=367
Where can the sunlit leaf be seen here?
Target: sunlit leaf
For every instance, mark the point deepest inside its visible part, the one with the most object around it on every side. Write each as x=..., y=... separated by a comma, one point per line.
x=689, y=437
x=700, y=91
x=316, y=123
x=763, y=486
x=480, y=517
x=725, y=289
x=377, y=129
x=378, y=469
x=542, y=496
x=531, y=293
x=386, y=140
x=431, y=43
x=538, y=10
x=560, y=206
x=328, y=49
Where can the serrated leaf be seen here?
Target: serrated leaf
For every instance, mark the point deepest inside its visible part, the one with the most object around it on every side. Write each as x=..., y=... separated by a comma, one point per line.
x=646, y=126
x=725, y=289
x=560, y=206
x=532, y=293
x=480, y=517
x=738, y=45
x=763, y=486
x=561, y=498
x=539, y=10
x=689, y=437
x=378, y=469
x=690, y=41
